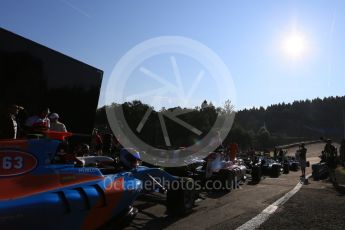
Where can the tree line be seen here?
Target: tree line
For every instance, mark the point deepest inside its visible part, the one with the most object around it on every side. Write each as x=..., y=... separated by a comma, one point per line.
x=261, y=128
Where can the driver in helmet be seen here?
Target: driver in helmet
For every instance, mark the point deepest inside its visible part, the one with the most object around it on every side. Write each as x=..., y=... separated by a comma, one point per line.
x=130, y=159
x=64, y=157
x=82, y=150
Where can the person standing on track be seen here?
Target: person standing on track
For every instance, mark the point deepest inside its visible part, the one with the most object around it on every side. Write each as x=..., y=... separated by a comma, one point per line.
x=303, y=158
x=342, y=152
x=96, y=142
x=233, y=151
x=330, y=154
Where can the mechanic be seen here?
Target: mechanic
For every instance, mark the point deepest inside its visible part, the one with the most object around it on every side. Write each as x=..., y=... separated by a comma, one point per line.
x=39, y=123
x=107, y=143
x=55, y=124
x=129, y=160
x=281, y=154
x=9, y=126
x=233, y=151
x=342, y=152
x=251, y=154
x=275, y=153
x=330, y=151
x=303, y=158
x=214, y=163
x=330, y=155
x=96, y=142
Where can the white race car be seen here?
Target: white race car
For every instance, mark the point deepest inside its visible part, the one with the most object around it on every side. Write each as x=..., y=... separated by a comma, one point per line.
x=97, y=161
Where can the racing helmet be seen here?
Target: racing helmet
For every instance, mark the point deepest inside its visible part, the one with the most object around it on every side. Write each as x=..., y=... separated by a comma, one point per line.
x=130, y=158
x=54, y=116
x=85, y=149
x=84, y=146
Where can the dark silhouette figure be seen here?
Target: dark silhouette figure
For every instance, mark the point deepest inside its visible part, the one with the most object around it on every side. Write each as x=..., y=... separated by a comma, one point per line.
x=303, y=158
x=342, y=152
x=9, y=125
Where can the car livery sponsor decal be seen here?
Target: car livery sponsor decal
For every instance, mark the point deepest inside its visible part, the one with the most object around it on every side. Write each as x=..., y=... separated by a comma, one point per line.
x=14, y=162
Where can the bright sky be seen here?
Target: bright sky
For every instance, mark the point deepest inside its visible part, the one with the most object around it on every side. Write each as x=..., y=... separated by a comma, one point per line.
x=276, y=51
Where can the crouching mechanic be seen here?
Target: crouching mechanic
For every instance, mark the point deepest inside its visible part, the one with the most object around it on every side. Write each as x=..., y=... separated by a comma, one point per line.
x=129, y=160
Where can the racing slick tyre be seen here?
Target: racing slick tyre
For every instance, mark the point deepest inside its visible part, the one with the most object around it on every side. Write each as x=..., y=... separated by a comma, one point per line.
x=256, y=174
x=294, y=167
x=181, y=198
x=286, y=169
x=122, y=220
x=227, y=179
x=275, y=171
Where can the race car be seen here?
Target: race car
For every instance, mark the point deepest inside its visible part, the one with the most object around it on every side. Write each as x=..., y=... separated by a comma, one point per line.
x=43, y=194
x=179, y=190
x=253, y=168
x=39, y=194
x=97, y=161
x=218, y=168
x=294, y=164
x=215, y=172
x=270, y=167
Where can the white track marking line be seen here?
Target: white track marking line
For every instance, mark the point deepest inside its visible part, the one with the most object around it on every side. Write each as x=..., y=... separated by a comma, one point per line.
x=258, y=220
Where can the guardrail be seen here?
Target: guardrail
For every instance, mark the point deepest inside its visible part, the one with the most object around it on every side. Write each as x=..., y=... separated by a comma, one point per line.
x=297, y=144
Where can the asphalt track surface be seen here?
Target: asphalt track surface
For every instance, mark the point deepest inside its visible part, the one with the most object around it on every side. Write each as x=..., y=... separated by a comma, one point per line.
x=314, y=206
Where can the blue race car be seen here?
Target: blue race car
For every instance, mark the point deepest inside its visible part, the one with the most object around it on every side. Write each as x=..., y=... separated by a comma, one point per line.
x=180, y=191
x=36, y=193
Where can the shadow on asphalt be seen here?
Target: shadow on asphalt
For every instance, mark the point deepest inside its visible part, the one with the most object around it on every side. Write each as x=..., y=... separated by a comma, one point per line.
x=152, y=199
x=339, y=189
x=316, y=206
x=250, y=182
x=146, y=202
x=216, y=194
x=253, y=183
x=155, y=222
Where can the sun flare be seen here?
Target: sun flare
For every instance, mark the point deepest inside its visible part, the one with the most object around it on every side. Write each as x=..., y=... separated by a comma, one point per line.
x=294, y=45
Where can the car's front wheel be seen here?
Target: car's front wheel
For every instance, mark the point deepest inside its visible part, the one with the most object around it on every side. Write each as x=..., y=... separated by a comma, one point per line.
x=275, y=171
x=227, y=180
x=286, y=168
x=256, y=174
x=181, y=198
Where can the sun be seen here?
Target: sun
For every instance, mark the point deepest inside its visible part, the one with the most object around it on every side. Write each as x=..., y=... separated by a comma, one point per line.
x=294, y=45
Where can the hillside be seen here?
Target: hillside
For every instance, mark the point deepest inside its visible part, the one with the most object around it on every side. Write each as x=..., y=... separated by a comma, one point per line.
x=258, y=127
